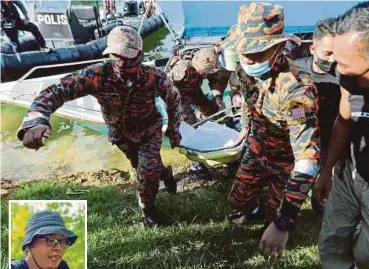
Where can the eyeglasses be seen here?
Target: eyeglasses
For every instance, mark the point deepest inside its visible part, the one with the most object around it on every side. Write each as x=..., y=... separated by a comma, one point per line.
x=53, y=242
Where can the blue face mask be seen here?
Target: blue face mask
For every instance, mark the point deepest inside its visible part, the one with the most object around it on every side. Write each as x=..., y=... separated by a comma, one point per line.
x=257, y=70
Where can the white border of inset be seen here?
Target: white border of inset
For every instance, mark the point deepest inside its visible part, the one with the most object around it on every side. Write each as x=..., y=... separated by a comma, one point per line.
x=43, y=201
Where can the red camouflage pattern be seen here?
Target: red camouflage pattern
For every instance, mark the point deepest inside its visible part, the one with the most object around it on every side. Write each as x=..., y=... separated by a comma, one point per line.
x=189, y=82
x=283, y=128
x=128, y=108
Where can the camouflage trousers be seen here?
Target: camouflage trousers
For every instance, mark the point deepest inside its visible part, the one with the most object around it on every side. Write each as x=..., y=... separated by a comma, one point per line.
x=261, y=167
x=204, y=105
x=145, y=158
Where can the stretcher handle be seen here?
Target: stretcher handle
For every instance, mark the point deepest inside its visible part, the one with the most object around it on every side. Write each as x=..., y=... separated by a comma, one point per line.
x=212, y=116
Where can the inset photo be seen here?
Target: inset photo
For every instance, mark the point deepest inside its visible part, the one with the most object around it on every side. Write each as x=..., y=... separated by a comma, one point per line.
x=48, y=234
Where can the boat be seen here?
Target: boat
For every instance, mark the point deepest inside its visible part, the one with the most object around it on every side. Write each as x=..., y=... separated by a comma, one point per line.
x=75, y=32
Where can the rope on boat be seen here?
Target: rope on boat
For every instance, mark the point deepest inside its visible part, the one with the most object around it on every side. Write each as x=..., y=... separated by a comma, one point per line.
x=144, y=17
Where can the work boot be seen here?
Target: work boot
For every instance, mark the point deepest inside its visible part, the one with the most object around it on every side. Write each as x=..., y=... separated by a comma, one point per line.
x=169, y=181
x=199, y=170
x=239, y=217
x=154, y=217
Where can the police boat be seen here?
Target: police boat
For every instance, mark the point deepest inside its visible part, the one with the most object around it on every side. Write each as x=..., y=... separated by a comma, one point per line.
x=75, y=33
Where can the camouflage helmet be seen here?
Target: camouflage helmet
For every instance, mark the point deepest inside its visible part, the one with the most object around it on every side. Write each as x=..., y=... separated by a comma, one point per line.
x=179, y=70
x=205, y=60
x=124, y=41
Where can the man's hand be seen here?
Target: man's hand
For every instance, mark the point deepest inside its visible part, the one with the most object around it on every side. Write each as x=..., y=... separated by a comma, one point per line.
x=174, y=138
x=273, y=242
x=242, y=135
x=198, y=114
x=237, y=100
x=26, y=21
x=323, y=185
x=220, y=103
x=33, y=137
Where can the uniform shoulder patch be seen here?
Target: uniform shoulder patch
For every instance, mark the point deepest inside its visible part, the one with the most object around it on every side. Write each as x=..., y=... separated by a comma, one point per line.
x=296, y=115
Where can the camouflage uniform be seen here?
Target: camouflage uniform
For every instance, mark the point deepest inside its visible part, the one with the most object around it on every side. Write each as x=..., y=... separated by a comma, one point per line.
x=188, y=77
x=280, y=110
x=128, y=108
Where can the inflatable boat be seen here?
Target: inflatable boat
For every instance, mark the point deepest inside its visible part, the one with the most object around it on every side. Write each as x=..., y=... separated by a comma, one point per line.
x=76, y=33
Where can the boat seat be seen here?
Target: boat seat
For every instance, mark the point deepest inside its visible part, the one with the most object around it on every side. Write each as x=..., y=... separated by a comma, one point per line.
x=88, y=17
x=131, y=8
x=80, y=33
x=86, y=13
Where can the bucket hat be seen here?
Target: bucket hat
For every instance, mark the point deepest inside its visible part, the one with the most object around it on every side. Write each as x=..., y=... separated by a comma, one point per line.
x=47, y=223
x=260, y=26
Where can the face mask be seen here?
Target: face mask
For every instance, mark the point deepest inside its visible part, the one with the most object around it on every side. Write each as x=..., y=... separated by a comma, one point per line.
x=325, y=66
x=257, y=70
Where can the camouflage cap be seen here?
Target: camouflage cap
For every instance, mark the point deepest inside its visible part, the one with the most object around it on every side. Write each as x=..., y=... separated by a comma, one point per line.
x=179, y=70
x=205, y=60
x=124, y=41
x=260, y=27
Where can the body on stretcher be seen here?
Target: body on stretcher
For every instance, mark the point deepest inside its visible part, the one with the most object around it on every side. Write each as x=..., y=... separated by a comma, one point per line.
x=212, y=143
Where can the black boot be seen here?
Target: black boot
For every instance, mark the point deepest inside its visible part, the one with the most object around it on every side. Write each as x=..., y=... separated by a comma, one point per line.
x=169, y=181
x=154, y=217
x=239, y=217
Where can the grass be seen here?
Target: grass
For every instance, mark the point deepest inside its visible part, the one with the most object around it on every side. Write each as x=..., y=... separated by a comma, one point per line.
x=200, y=237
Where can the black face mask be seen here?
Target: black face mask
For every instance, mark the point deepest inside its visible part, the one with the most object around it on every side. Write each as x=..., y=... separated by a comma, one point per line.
x=325, y=66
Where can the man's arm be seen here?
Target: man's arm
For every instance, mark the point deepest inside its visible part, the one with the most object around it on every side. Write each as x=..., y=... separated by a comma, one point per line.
x=73, y=86
x=235, y=86
x=300, y=110
x=169, y=93
x=21, y=6
x=340, y=139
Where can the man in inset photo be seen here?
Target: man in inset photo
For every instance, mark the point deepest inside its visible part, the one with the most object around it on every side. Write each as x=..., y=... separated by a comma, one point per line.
x=46, y=241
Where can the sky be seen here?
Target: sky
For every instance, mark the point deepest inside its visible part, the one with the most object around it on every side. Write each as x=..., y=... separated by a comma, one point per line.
x=224, y=13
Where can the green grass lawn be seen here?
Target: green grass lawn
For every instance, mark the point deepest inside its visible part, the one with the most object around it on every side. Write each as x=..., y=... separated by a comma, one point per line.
x=200, y=236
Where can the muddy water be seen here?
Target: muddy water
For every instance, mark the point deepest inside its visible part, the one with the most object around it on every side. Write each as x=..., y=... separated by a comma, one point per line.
x=73, y=147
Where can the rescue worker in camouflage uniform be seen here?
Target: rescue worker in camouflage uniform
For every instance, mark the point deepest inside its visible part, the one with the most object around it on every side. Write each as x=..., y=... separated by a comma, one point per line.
x=188, y=75
x=282, y=145
x=126, y=90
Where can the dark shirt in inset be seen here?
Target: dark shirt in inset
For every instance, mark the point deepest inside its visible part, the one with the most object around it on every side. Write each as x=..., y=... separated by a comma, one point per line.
x=23, y=265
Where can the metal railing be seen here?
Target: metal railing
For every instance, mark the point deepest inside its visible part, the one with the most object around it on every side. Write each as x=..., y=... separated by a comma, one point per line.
x=33, y=69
